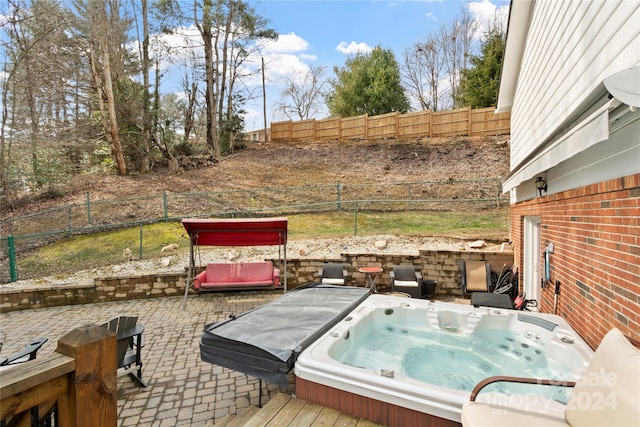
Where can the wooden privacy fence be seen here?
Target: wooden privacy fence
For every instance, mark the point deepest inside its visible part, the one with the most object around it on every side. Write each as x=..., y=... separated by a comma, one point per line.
x=76, y=386
x=460, y=122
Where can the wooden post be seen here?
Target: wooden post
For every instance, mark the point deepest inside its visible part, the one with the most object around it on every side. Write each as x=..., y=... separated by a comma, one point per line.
x=313, y=136
x=397, y=125
x=93, y=388
x=366, y=126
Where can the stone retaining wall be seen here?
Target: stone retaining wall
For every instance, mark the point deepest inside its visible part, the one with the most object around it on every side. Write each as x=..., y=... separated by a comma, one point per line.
x=442, y=266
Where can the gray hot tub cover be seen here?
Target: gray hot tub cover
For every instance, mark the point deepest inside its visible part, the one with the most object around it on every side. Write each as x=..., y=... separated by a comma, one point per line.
x=266, y=341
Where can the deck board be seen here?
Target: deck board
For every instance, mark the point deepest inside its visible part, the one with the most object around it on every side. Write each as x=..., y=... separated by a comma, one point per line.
x=285, y=410
x=326, y=417
x=287, y=413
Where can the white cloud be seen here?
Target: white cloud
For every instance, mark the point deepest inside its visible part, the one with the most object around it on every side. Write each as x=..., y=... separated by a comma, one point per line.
x=353, y=48
x=178, y=47
x=432, y=16
x=283, y=65
x=486, y=13
x=286, y=43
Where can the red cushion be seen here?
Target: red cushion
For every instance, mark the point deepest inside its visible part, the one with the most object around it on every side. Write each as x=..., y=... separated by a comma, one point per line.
x=238, y=274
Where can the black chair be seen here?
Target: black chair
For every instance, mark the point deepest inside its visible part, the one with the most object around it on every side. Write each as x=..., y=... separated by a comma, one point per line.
x=130, y=342
x=333, y=274
x=405, y=278
x=27, y=353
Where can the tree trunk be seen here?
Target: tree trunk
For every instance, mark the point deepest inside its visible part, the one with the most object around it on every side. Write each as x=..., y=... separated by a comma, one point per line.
x=146, y=117
x=206, y=32
x=116, y=148
x=190, y=112
x=100, y=93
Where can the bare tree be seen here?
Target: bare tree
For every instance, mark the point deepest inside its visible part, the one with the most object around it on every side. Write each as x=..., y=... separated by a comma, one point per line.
x=105, y=31
x=206, y=24
x=37, y=89
x=302, y=97
x=432, y=68
x=423, y=73
x=146, y=104
x=457, y=38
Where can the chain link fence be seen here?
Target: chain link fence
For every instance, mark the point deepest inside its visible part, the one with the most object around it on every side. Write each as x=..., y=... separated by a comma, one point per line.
x=442, y=208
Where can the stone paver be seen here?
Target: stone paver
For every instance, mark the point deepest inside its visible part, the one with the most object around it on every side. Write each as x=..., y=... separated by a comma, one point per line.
x=182, y=389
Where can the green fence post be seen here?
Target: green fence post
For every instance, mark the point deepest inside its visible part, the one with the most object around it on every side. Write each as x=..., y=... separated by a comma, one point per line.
x=165, y=205
x=88, y=208
x=140, y=241
x=355, y=221
x=13, y=268
x=69, y=213
x=339, y=197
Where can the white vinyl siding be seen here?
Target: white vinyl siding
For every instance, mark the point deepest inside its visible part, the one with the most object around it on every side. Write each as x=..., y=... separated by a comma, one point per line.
x=571, y=47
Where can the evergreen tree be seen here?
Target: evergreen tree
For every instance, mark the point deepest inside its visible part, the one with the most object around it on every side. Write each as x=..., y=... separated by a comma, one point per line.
x=479, y=84
x=367, y=84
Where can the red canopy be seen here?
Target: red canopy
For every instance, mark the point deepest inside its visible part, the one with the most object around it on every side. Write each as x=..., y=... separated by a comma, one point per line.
x=237, y=232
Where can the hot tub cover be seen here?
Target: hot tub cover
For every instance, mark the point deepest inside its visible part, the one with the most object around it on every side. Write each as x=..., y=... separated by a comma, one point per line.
x=266, y=341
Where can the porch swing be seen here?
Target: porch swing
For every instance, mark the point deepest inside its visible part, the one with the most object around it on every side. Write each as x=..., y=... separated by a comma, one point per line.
x=234, y=232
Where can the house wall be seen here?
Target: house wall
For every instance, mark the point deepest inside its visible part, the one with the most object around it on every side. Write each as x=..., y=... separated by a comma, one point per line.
x=595, y=230
x=570, y=48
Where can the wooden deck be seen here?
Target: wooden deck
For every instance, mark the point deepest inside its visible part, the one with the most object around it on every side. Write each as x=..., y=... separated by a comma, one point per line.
x=285, y=410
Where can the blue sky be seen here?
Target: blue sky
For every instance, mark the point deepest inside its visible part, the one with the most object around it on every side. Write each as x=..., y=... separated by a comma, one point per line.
x=324, y=33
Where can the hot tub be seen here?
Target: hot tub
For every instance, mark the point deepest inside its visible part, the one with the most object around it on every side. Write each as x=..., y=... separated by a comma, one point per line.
x=399, y=361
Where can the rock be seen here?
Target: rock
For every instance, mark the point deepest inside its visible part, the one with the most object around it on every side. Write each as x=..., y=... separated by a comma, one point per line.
x=165, y=262
x=380, y=244
x=478, y=244
x=303, y=251
x=171, y=247
x=232, y=256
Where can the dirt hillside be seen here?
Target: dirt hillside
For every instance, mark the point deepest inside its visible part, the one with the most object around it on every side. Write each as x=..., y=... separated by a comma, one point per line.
x=288, y=164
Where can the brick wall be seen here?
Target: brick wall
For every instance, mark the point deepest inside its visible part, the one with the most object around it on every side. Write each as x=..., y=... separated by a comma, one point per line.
x=442, y=266
x=595, y=231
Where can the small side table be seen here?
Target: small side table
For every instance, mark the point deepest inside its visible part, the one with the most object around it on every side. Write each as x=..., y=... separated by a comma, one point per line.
x=370, y=280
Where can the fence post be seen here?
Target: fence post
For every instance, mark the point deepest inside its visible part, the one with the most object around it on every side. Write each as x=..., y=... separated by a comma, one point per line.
x=355, y=221
x=140, y=241
x=408, y=196
x=250, y=203
x=11, y=250
x=397, y=124
x=339, y=196
x=88, y=208
x=366, y=126
x=93, y=392
x=69, y=221
x=165, y=205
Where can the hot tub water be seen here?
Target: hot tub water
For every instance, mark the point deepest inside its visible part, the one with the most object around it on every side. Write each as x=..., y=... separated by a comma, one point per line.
x=427, y=356
x=450, y=359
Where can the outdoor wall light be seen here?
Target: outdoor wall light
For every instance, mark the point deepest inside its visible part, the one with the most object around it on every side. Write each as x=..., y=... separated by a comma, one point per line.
x=541, y=184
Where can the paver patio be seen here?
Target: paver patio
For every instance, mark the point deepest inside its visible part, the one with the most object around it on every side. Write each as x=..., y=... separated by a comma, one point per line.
x=182, y=390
